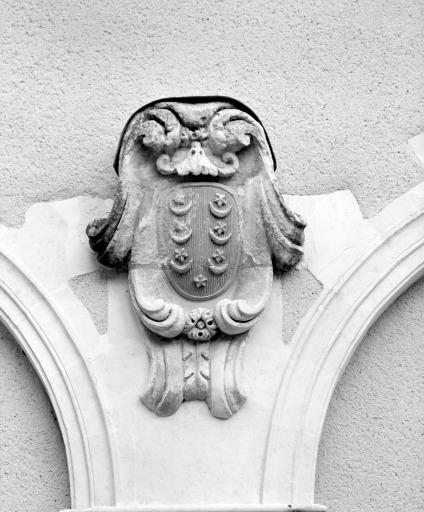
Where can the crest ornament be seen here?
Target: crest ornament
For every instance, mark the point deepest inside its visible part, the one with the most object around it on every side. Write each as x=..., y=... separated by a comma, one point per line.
x=197, y=218
x=200, y=325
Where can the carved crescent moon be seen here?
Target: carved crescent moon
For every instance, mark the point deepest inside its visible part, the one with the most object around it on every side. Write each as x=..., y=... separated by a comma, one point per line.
x=181, y=269
x=218, y=240
x=215, y=269
x=181, y=239
x=219, y=213
x=182, y=210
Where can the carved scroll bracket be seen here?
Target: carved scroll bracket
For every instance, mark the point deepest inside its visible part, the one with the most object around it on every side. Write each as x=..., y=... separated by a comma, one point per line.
x=216, y=222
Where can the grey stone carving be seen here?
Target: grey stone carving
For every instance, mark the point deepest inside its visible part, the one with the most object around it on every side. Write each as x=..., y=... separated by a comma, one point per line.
x=199, y=222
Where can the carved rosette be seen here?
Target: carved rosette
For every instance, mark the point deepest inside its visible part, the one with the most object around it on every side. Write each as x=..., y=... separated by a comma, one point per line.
x=200, y=325
x=198, y=219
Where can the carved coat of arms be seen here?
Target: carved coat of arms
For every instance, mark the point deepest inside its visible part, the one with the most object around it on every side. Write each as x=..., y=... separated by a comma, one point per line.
x=199, y=222
x=202, y=223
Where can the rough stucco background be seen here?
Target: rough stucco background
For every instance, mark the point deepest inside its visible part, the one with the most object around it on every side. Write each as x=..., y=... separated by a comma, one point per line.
x=372, y=446
x=33, y=470
x=338, y=86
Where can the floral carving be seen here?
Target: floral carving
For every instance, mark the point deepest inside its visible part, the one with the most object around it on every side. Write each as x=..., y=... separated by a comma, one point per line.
x=191, y=220
x=200, y=325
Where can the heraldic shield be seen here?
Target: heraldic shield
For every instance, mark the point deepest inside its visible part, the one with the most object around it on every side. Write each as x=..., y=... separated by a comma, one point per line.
x=201, y=235
x=199, y=223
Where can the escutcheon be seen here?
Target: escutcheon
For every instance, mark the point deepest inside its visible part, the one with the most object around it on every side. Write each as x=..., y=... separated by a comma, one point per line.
x=199, y=223
x=201, y=233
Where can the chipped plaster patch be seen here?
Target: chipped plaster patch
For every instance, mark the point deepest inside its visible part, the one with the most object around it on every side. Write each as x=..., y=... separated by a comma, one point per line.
x=417, y=145
x=336, y=233
x=91, y=290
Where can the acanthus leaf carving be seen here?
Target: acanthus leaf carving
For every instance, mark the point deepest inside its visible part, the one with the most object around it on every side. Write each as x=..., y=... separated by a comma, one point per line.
x=185, y=206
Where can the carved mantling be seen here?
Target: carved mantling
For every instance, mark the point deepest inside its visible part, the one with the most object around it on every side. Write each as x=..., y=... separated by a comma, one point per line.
x=199, y=222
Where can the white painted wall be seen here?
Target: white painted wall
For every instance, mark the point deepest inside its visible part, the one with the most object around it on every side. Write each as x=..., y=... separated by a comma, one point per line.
x=338, y=85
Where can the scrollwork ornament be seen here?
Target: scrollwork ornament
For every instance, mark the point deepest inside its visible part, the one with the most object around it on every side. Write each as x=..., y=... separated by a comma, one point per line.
x=198, y=218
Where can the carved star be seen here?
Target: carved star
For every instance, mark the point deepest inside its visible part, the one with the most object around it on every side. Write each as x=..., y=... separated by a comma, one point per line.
x=180, y=255
x=220, y=227
x=220, y=199
x=200, y=281
x=179, y=199
x=218, y=255
x=180, y=227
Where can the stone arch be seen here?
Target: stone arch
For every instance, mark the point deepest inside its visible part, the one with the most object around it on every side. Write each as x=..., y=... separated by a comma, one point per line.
x=371, y=441
x=326, y=340
x=36, y=321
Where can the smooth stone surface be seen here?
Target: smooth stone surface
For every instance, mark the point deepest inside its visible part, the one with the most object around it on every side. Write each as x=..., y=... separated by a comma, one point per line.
x=192, y=443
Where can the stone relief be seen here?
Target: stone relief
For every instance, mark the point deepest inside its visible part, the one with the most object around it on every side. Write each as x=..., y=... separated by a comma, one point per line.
x=199, y=222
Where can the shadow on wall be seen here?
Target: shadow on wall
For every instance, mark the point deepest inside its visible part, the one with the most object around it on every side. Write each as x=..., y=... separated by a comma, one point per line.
x=33, y=468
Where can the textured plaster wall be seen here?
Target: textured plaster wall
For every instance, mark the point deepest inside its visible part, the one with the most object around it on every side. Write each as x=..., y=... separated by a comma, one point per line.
x=338, y=86
x=91, y=290
x=33, y=470
x=372, y=447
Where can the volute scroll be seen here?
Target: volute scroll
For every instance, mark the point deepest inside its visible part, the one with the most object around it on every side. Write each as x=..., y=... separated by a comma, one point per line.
x=201, y=173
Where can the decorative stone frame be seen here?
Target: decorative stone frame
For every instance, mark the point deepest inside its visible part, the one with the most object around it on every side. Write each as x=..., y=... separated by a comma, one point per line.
x=327, y=338
x=42, y=322
x=37, y=321
x=197, y=182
